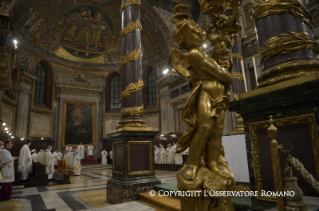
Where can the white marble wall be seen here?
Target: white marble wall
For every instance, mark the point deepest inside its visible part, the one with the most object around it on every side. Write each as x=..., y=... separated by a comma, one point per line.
x=23, y=110
x=236, y=155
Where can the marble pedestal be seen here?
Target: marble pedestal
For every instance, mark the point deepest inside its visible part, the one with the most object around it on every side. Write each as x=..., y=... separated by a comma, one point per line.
x=294, y=106
x=133, y=166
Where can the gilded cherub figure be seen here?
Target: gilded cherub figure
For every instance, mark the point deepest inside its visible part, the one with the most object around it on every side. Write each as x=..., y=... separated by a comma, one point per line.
x=204, y=111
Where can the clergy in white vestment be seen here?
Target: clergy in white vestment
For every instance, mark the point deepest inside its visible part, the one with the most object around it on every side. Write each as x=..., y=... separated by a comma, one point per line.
x=162, y=155
x=156, y=154
x=76, y=164
x=56, y=158
x=68, y=159
x=48, y=160
x=7, y=171
x=40, y=156
x=104, y=157
x=111, y=156
x=69, y=148
x=81, y=150
x=170, y=156
x=90, y=152
x=34, y=155
x=25, y=161
x=60, y=155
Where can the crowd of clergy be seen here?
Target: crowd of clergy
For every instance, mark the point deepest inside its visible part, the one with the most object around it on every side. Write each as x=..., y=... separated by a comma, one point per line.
x=168, y=155
x=28, y=158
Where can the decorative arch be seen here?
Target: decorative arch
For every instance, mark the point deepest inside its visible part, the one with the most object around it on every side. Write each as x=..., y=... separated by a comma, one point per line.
x=112, y=92
x=43, y=86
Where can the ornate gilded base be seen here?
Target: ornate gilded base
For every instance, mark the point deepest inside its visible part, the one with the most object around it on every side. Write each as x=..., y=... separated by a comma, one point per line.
x=287, y=71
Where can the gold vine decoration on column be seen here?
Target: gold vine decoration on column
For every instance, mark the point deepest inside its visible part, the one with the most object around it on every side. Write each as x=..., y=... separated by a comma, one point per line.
x=129, y=3
x=287, y=43
x=138, y=110
x=237, y=75
x=130, y=28
x=236, y=56
x=134, y=55
x=131, y=88
x=261, y=9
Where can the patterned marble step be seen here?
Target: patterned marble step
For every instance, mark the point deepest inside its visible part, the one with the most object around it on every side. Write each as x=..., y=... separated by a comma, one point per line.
x=17, y=187
x=95, y=167
x=167, y=203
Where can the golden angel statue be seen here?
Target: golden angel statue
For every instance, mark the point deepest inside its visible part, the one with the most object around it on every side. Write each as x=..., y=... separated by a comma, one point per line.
x=204, y=111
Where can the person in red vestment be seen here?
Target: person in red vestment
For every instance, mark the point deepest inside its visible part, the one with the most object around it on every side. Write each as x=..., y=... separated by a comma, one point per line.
x=7, y=171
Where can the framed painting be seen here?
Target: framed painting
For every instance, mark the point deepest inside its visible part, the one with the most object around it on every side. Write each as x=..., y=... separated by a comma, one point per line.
x=8, y=116
x=78, y=123
x=41, y=125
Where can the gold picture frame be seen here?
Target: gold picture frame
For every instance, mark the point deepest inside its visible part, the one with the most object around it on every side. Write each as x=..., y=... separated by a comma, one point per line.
x=254, y=127
x=91, y=125
x=6, y=116
x=150, y=158
x=114, y=157
x=39, y=123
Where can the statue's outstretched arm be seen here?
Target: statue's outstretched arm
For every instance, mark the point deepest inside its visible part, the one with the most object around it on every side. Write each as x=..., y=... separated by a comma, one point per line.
x=202, y=62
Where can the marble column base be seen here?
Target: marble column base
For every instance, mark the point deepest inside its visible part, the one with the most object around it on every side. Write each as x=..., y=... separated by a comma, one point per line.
x=119, y=191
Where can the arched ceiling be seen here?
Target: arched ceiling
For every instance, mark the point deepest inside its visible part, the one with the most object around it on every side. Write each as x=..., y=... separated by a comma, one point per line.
x=47, y=29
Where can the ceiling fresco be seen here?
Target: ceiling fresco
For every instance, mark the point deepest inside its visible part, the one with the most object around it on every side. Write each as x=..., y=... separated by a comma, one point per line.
x=84, y=33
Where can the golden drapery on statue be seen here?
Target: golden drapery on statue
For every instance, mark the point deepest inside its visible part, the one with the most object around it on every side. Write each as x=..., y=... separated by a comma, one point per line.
x=204, y=112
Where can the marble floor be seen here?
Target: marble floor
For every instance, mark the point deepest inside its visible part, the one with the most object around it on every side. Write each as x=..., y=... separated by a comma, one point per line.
x=86, y=192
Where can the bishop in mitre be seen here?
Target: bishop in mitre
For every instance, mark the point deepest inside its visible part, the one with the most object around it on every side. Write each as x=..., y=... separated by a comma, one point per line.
x=76, y=164
x=48, y=160
x=104, y=157
x=25, y=161
x=80, y=149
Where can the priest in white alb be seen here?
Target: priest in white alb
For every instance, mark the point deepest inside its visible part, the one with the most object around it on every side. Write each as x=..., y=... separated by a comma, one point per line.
x=76, y=164
x=80, y=149
x=104, y=157
x=68, y=159
x=48, y=160
x=56, y=158
x=40, y=156
x=90, y=152
x=60, y=155
x=111, y=156
x=162, y=155
x=69, y=148
x=25, y=161
x=170, y=155
x=7, y=171
x=34, y=155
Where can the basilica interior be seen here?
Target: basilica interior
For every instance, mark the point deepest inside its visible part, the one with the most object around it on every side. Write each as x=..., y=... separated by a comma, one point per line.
x=64, y=72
